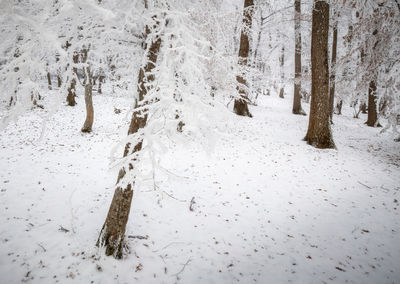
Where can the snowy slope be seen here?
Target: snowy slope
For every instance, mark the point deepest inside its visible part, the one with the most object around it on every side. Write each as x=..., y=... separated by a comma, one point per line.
x=268, y=207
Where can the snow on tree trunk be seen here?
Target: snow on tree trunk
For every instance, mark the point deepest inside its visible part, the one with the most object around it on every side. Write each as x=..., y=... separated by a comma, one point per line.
x=372, y=113
x=113, y=232
x=87, y=126
x=297, y=109
x=282, y=64
x=319, y=130
x=333, y=72
x=240, y=106
x=72, y=88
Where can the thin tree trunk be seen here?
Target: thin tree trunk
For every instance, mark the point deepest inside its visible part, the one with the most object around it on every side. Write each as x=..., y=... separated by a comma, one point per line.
x=87, y=126
x=99, y=90
x=339, y=107
x=333, y=73
x=282, y=63
x=319, y=129
x=297, y=109
x=113, y=232
x=49, y=80
x=240, y=106
x=58, y=81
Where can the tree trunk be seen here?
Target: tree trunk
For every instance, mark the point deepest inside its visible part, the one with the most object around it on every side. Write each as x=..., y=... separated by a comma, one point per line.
x=333, y=72
x=87, y=126
x=372, y=113
x=282, y=63
x=113, y=232
x=49, y=80
x=319, y=130
x=282, y=93
x=372, y=107
x=72, y=90
x=72, y=93
x=363, y=108
x=240, y=106
x=99, y=91
x=339, y=107
x=58, y=81
x=297, y=109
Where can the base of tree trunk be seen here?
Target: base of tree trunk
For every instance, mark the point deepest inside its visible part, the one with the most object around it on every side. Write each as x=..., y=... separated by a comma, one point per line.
x=299, y=111
x=86, y=129
x=372, y=124
x=71, y=100
x=321, y=143
x=113, y=232
x=240, y=108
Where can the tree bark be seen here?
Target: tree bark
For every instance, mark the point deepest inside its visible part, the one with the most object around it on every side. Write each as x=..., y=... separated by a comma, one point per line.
x=319, y=131
x=297, y=109
x=333, y=73
x=372, y=108
x=113, y=232
x=282, y=63
x=49, y=80
x=372, y=112
x=87, y=126
x=240, y=106
x=72, y=88
x=99, y=90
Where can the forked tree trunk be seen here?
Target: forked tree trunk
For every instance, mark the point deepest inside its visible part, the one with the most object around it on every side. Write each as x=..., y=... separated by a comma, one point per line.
x=333, y=73
x=240, y=106
x=297, y=109
x=319, y=129
x=113, y=232
x=87, y=126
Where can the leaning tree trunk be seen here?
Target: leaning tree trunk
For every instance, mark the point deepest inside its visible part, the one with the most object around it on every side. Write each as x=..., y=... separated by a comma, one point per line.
x=240, y=106
x=297, y=109
x=113, y=232
x=87, y=126
x=333, y=73
x=319, y=131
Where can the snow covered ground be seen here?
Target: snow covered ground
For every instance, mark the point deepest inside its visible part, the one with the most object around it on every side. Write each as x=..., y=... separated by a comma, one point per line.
x=268, y=208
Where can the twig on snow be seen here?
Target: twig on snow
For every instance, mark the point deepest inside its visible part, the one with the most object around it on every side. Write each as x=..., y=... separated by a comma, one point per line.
x=364, y=185
x=183, y=268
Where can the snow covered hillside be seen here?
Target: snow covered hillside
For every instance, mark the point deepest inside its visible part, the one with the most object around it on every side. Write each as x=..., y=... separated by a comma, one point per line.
x=263, y=207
